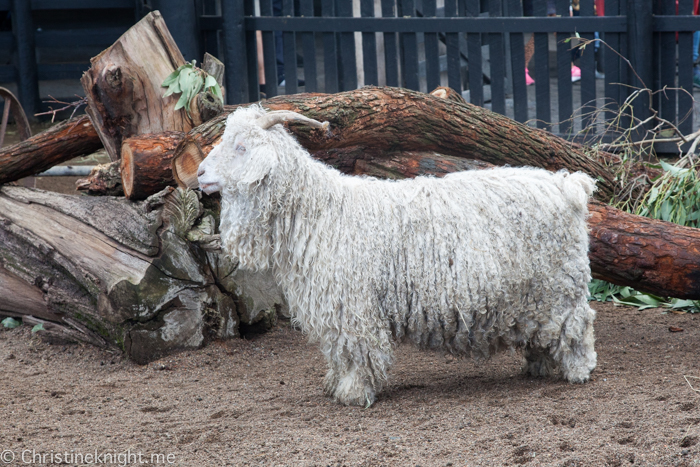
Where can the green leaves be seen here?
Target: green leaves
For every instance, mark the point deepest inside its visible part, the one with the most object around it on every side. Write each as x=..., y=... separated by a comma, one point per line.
x=675, y=196
x=602, y=291
x=188, y=81
x=10, y=323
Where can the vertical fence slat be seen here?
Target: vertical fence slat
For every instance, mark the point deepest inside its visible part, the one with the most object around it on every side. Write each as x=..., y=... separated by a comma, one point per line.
x=308, y=46
x=235, y=57
x=625, y=70
x=474, y=59
x=587, y=65
x=369, y=46
x=347, y=49
x=269, y=53
x=209, y=42
x=27, y=75
x=685, y=72
x=640, y=39
x=432, y=58
x=330, y=54
x=564, y=87
x=613, y=95
x=409, y=49
x=251, y=55
x=454, y=78
x=290, y=52
x=667, y=66
x=390, y=52
x=542, y=92
x=517, y=57
x=498, y=66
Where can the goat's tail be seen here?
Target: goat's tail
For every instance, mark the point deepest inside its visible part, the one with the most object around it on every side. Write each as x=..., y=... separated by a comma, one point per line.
x=578, y=188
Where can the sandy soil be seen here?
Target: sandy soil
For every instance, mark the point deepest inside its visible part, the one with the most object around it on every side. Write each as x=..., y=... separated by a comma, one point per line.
x=258, y=401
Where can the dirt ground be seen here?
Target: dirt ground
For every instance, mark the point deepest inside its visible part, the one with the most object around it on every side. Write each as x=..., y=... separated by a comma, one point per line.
x=258, y=401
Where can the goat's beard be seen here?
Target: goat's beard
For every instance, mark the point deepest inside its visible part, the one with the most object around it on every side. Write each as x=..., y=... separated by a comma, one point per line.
x=245, y=228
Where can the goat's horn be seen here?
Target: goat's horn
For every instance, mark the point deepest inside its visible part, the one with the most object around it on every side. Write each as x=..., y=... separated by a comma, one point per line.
x=280, y=116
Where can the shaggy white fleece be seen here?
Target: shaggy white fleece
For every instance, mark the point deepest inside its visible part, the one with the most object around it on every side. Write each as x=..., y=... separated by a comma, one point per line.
x=472, y=263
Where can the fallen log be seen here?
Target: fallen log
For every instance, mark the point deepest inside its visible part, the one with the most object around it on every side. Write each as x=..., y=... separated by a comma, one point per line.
x=650, y=255
x=146, y=163
x=123, y=85
x=116, y=273
x=375, y=121
x=62, y=142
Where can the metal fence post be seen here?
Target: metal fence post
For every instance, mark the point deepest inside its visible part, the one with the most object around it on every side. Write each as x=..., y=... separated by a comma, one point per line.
x=235, y=55
x=640, y=41
x=27, y=76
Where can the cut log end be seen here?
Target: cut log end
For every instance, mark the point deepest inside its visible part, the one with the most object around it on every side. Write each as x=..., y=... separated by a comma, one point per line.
x=185, y=164
x=146, y=163
x=127, y=169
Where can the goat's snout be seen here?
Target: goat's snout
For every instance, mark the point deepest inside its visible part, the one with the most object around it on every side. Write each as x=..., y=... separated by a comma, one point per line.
x=200, y=171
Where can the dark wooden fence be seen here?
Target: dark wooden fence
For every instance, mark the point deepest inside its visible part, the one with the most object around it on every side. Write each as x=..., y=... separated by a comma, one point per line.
x=653, y=35
x=474, y=46
x=49, y=40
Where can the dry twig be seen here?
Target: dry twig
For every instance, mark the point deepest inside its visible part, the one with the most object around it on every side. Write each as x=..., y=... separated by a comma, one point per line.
x=66, y=105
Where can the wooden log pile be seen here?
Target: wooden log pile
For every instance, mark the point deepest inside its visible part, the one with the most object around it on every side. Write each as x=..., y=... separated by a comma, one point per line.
x=139, y=268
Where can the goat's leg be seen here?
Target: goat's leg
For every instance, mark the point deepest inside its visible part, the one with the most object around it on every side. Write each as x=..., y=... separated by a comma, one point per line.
x=357, y=372
x=571, y=352
x=577, y=357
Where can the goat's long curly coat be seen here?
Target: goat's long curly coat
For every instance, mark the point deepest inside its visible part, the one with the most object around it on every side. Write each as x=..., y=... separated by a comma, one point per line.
x=472, y=263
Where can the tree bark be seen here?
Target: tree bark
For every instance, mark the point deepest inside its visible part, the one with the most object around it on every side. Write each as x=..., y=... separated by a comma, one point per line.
x=123, y=85
x=650, y=255
x=138, y=276
x=146, y=163
x=62, y=142
x=104, y=180
x=376, y=121
x=111, y=272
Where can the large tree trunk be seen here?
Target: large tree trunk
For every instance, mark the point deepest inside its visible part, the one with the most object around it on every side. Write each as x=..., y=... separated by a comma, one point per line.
x=370, y=122
x=133, y=275
x=102, y=270
x=60, y=143
x=123, y=85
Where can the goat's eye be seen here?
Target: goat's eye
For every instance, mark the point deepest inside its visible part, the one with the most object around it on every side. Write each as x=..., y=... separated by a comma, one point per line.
x=240, y=149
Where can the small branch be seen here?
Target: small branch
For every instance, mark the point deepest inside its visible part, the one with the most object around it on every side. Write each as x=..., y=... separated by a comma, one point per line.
x=66, y=105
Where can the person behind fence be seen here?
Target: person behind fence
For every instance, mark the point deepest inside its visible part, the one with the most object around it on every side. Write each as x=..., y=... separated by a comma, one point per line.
x=528, y=10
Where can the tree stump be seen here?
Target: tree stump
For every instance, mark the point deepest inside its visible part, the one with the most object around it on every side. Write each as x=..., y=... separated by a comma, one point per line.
x=123, y=85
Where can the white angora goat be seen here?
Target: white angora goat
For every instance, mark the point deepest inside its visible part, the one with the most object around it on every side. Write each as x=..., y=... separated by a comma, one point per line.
x=472, y=263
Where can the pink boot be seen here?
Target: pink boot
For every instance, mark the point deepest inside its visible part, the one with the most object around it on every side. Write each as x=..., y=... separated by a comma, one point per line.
x=528, y=79
x=575, y=73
